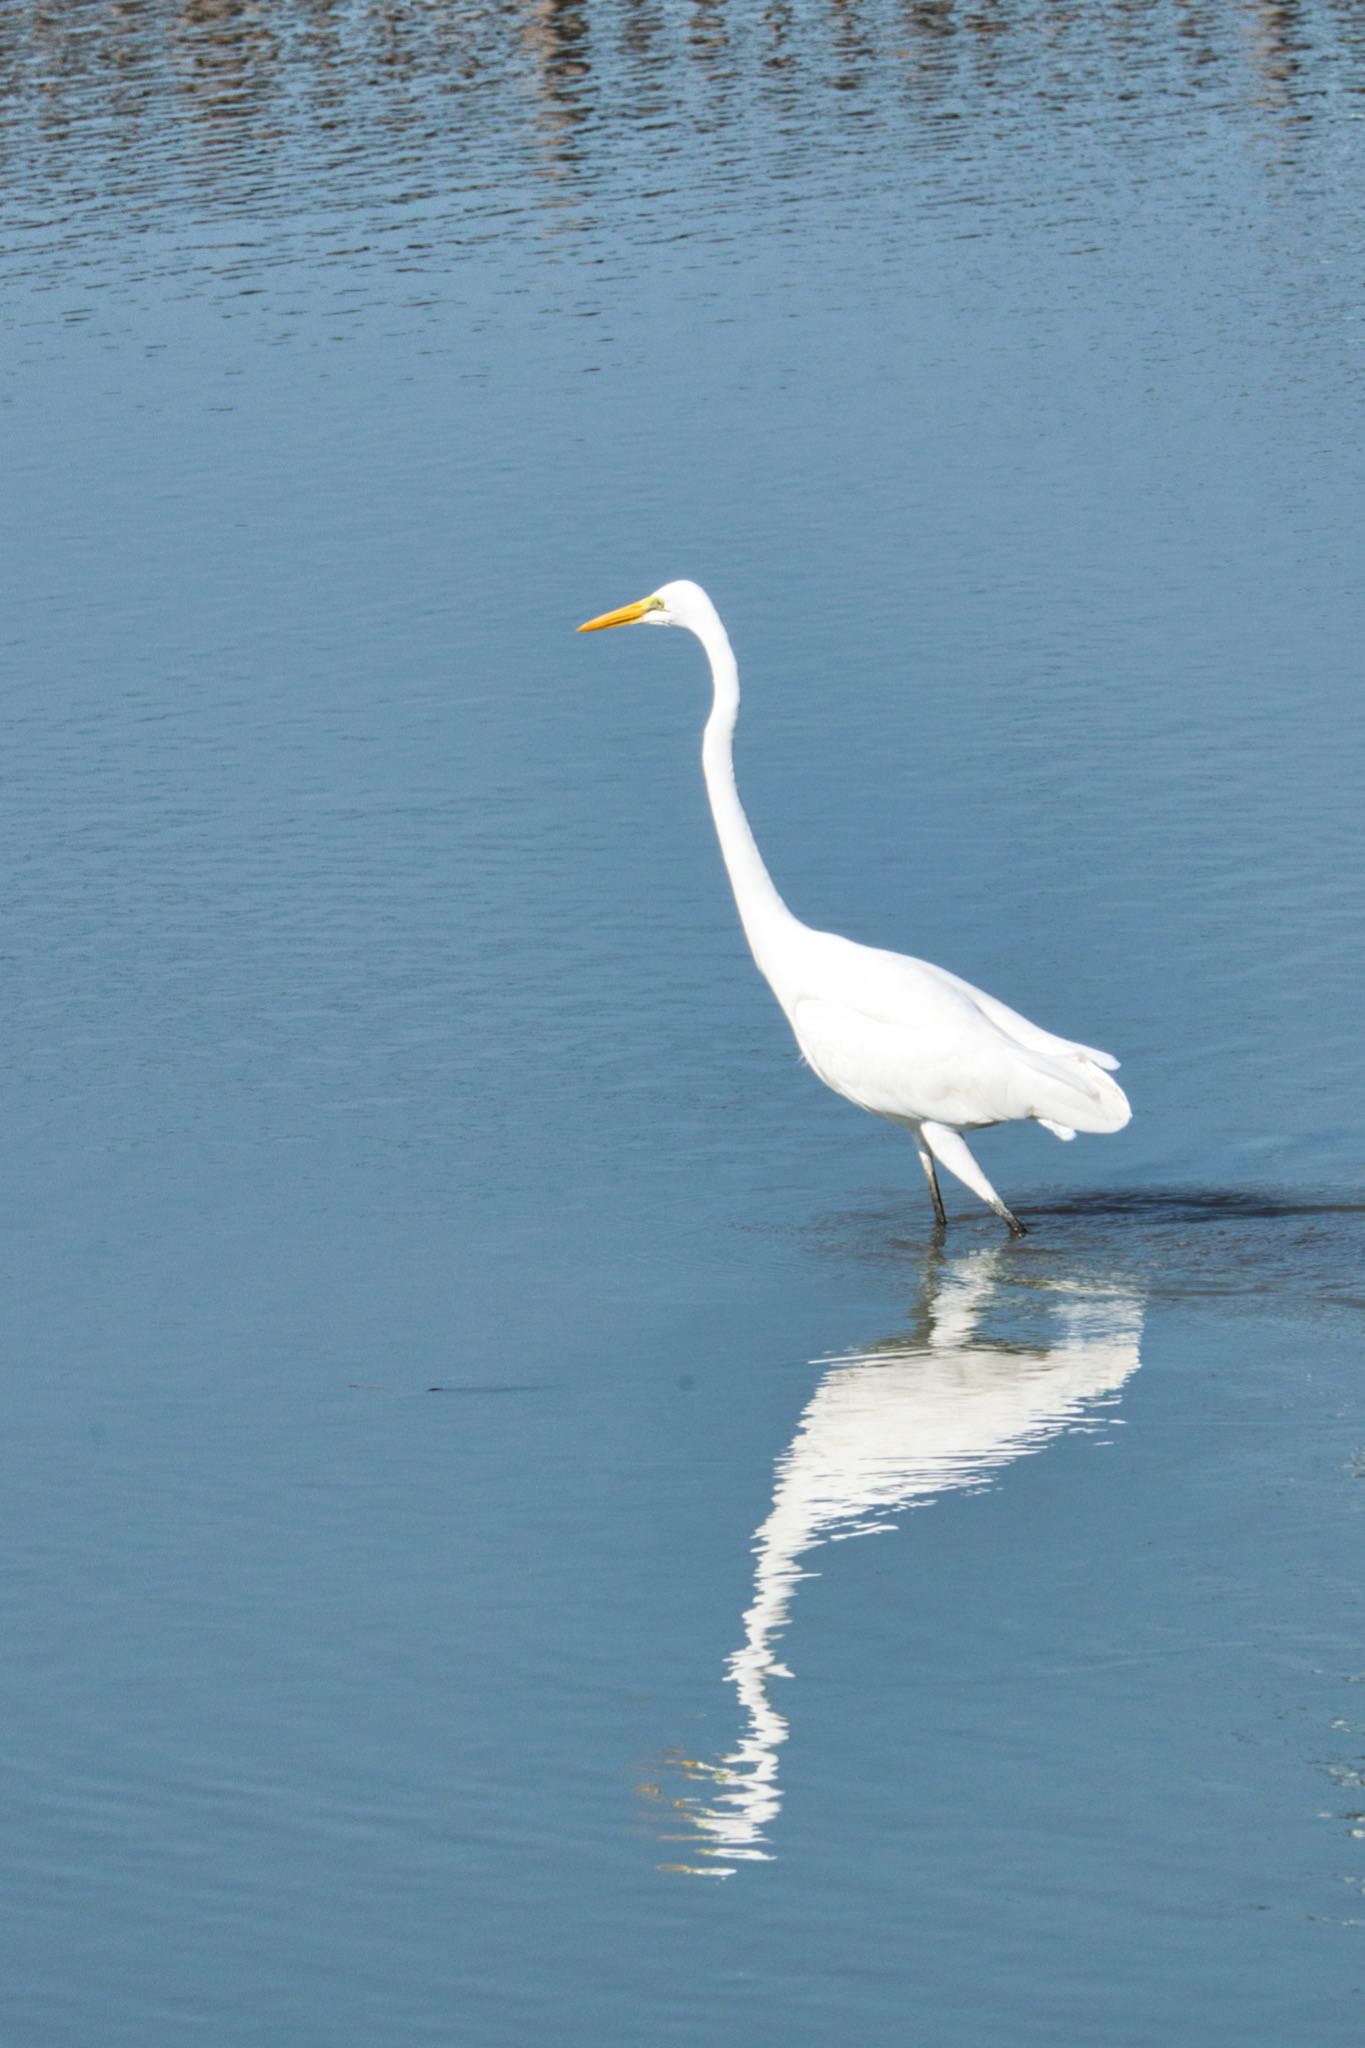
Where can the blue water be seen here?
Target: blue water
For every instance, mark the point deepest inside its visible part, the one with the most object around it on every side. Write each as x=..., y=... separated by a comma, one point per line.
x=459, y=1363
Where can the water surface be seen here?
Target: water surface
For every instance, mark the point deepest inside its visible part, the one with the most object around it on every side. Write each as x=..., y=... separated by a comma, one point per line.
x=460, y=1363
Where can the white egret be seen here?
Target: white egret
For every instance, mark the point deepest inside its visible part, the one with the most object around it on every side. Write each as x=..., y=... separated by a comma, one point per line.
x=898, y=1037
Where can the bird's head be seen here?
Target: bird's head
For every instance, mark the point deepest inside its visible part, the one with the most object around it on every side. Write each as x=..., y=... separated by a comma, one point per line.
x=675, y=604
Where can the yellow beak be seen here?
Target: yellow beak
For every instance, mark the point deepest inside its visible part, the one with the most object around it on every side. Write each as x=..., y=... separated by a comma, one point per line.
x=627, y=615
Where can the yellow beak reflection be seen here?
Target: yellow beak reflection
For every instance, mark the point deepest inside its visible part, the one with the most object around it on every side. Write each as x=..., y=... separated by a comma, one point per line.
x=627, y=615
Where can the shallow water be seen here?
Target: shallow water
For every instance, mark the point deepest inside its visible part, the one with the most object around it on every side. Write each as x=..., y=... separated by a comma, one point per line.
x=460, y=1363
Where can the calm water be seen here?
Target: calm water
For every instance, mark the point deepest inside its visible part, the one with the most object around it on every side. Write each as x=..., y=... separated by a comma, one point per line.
x=513, y=1530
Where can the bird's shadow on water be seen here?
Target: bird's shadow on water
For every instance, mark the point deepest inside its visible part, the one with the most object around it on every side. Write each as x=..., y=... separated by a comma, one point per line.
x=1173, y=1242
x=1188, y=1205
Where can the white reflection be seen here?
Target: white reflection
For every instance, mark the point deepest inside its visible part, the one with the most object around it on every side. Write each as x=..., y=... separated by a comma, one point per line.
x=937, y=1408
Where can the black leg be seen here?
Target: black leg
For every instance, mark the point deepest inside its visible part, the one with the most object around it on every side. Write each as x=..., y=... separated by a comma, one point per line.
x=926, y=1160
x=938, y=1141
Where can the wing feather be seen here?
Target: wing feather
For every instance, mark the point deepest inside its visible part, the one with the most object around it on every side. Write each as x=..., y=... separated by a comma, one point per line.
x=1024, y=1030
x=908, y=1040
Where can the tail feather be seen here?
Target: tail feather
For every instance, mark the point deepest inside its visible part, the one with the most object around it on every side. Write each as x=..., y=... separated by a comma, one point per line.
x=1077, y=1095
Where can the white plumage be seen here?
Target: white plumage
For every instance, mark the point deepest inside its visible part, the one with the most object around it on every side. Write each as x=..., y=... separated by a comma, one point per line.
x=897, y=1036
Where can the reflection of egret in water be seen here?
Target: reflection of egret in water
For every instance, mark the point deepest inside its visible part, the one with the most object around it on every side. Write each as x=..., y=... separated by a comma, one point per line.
x=936, y=1408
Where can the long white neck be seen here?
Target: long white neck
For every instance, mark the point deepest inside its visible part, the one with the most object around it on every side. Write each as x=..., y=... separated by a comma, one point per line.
x=761, y=910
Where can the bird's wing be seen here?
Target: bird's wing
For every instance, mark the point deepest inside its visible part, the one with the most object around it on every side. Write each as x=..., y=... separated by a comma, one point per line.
x=904, y=1068
x=951, y=1065
x=1020, y=1028
x=905, y=1039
